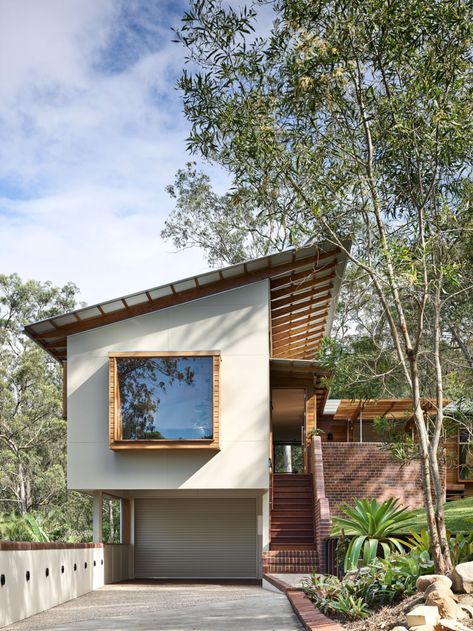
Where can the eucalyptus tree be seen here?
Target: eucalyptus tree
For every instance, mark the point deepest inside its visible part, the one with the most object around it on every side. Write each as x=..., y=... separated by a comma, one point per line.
x=351, y=120
x=32, y=431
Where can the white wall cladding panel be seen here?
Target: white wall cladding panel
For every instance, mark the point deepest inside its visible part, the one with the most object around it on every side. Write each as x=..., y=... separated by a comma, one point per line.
x=236, y=323
x=195, y=538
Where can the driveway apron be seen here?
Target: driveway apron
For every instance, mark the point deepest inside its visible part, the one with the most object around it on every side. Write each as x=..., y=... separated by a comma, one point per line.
x=169, y=607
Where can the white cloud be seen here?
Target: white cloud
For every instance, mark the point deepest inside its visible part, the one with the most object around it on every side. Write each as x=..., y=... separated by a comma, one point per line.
x=91, y=133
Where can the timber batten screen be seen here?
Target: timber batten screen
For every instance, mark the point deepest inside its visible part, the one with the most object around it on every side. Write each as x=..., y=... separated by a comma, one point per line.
x=164, y=400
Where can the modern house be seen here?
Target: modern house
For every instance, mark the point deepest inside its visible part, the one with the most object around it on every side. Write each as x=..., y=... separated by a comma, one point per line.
x=191, y=403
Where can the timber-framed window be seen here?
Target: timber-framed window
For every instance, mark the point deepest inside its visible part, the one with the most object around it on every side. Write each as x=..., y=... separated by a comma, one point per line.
x=465, y=456
x=164, y=400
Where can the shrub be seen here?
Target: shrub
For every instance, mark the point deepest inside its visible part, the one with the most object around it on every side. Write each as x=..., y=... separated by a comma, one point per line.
x=460, y=544
x=25, y=527
x=372, y=525
x=383, y=582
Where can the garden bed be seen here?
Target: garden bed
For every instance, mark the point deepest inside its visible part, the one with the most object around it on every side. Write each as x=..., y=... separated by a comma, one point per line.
x=385, y=618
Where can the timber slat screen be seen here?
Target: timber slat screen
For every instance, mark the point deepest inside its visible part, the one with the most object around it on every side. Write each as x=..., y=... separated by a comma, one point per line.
x=300, y=307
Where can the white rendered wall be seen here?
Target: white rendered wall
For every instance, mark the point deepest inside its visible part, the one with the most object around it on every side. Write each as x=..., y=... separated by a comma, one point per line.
x=234, y=322
x=20, y=598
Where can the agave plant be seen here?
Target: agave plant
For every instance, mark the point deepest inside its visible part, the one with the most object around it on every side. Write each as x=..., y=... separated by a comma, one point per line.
x=371, y=527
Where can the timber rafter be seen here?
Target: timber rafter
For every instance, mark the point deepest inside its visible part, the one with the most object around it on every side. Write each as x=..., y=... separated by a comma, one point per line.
x=303, y=282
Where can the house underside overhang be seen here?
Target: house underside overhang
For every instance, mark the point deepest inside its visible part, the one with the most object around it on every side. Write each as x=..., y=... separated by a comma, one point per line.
x=288, y=373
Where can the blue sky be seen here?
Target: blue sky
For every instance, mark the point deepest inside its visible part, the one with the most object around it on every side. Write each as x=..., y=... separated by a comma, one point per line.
x=91, y=132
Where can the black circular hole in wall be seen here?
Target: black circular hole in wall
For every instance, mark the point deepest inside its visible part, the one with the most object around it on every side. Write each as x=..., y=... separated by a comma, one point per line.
x=28, y=575
x=85, y=565
x=62, y=569
x=75, y=567
x=95, y=563
x=101, y=562
x=2, y=580
x=47, y=572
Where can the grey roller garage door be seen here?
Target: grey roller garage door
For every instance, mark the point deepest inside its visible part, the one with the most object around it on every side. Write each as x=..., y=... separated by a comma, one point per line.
x=195, y=538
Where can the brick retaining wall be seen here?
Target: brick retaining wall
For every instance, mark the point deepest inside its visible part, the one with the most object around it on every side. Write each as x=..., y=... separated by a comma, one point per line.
x=365, y=470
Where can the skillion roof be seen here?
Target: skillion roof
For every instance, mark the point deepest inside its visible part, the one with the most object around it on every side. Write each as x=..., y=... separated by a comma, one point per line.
x=304, y=285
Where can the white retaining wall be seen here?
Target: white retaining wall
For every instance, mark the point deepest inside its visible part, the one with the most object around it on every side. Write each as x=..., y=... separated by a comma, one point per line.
x=36, y=577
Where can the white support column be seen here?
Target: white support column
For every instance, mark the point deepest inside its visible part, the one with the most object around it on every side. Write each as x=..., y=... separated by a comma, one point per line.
x=122, y=522
x=265, y=517
x=131, y=547
x=97, y=516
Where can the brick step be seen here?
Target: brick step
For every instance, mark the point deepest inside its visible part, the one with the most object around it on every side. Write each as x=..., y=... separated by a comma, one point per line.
x=292, y=481
x=292, y=529
x=303, y=484
x=301, y=552
x=289, y=569
x=289, y=500
x=295, y=492
x=292, y=541
x=292, y=499
x=292, y=511
x=290, y=522
x=292, y=476
x=294, y=547
x=297, y=560
x=294, y=504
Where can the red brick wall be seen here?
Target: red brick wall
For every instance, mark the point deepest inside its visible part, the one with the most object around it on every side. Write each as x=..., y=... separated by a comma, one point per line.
x=364, y=470
x=322, y=521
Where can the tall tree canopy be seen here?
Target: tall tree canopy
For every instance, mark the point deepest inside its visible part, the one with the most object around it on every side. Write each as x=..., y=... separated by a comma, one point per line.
x=32, y=430
x=350, y=120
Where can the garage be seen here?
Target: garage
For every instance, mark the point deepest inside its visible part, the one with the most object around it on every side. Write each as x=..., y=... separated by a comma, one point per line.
x=195, y=538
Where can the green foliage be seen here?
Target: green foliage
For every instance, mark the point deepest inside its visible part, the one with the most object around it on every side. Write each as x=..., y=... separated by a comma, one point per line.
x=297, y=459
x=349, y=607
x=27, y=527
x=402, y=445
x=34, y=501
x=458, y=517
x=226, y=227
x=111, y=520
x=353, y=121
x=32, y=431
x=383, y=582
x=371, y=526
x=460, y=544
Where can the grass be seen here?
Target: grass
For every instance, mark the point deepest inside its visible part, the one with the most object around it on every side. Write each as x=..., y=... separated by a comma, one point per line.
x=458, y=516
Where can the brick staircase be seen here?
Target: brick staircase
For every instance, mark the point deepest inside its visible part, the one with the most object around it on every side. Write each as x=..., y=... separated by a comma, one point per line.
x=292, y=514
x=292, y=547
x=289, y=562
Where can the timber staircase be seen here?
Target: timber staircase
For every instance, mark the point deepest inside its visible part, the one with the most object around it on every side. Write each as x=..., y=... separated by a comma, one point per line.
x=292, y=547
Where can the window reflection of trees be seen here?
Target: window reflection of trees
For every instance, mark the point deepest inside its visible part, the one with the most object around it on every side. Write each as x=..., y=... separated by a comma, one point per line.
x=466, y=455
x=140, y=380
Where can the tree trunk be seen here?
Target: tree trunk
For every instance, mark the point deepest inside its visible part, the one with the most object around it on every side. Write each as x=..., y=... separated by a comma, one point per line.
x=432, y=493
x=287, y=452
x=111, y=536
x=22, y=499
x=439, y=499
x=463, y=347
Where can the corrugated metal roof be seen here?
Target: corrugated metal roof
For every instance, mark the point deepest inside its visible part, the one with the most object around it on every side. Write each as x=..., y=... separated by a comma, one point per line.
x=293, y=307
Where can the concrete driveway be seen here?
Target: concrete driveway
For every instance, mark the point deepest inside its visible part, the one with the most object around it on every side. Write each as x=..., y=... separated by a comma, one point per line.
x=169, y=606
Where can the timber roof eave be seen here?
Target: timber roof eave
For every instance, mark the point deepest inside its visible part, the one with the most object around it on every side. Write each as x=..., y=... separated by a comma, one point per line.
x=51, y=333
